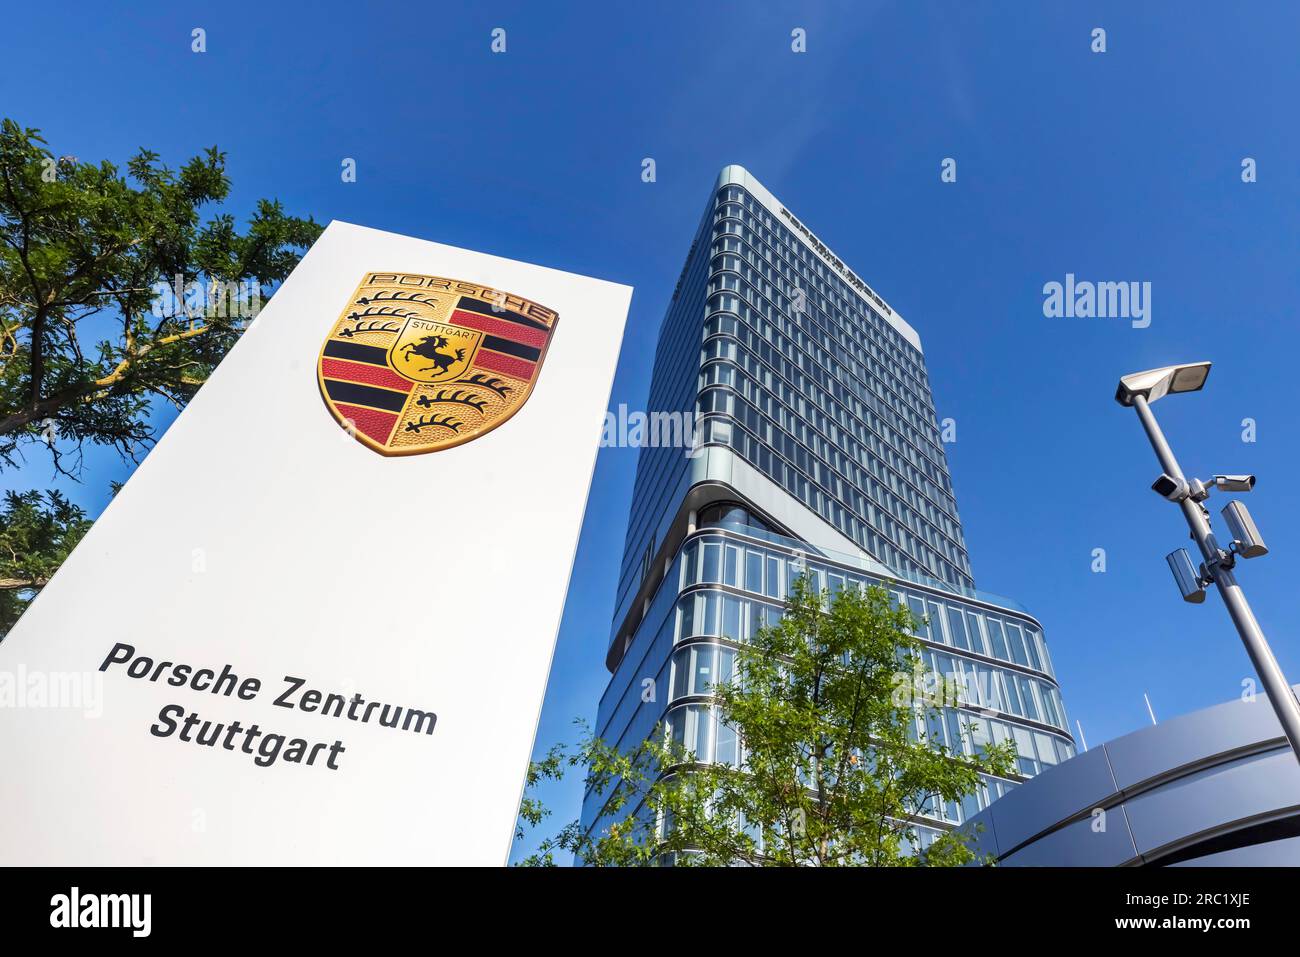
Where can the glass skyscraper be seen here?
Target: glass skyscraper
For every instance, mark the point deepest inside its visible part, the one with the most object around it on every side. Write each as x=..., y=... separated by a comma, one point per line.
x=818, y=454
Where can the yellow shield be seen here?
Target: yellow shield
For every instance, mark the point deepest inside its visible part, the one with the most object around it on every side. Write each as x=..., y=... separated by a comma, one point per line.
x=427, y=351
x=420, y=363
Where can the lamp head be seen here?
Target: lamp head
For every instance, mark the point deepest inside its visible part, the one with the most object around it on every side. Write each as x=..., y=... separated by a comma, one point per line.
x=1155, y=383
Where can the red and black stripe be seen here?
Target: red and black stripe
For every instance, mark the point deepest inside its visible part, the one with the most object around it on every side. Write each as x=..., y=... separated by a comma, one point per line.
x=362, y=386
x=500, y=311
x=512, y=342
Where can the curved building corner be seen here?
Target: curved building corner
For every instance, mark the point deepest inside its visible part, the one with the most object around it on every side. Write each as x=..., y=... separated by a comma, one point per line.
x=1216, y=787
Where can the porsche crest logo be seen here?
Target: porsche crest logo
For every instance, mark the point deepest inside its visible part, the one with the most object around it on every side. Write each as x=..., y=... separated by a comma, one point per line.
x=420, y=363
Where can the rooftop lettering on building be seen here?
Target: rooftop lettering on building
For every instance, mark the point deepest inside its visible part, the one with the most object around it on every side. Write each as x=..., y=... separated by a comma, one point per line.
x=845, y=272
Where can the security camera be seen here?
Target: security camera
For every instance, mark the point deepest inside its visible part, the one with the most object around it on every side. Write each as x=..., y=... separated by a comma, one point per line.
x=1169, y=487
x=1246, y=539
x=1235, y=483
x=1187, y=576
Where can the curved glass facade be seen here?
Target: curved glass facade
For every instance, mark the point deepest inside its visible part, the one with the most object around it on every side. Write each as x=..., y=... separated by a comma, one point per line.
x=725, y=583
x=819, y=426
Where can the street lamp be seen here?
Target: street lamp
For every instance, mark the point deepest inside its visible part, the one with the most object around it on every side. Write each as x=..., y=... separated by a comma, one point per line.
x=1139, y=390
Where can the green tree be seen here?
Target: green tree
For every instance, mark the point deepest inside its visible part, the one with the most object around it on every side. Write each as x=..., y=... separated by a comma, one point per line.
x=87, y=341
x=826, y=702
x=37, y=531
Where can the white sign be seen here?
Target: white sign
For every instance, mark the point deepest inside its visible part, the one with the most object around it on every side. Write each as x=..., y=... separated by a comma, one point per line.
x=298, y=634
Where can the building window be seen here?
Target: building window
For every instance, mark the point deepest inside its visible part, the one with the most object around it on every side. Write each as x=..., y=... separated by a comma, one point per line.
x=647, y=560
x=729, y=514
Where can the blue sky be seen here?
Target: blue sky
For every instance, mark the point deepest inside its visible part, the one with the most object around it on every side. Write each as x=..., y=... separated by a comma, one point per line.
x=1124, y=165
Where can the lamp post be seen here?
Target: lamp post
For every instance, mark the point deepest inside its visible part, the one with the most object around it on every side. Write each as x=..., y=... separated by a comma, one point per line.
x=1138, y=391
